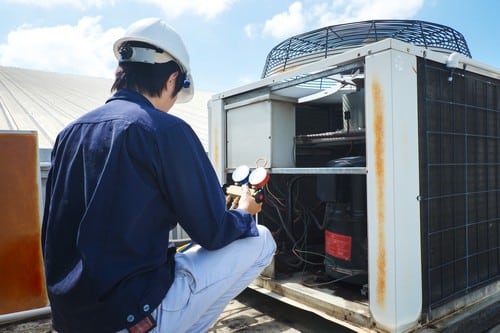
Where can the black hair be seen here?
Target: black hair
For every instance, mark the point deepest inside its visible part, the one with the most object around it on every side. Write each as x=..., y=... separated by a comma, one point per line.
x=146, y=78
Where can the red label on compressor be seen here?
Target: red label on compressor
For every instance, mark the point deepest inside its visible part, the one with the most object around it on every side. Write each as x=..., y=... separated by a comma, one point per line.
x=337, y=245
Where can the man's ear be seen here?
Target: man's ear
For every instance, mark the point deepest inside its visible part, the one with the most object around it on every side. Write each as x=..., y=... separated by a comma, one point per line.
x=172, y=79
x=170, y=84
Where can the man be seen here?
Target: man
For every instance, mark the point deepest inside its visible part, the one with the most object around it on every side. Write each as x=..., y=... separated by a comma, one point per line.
x=122, y=176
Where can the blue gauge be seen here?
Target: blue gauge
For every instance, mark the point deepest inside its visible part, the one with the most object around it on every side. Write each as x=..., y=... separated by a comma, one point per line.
x=240, y=174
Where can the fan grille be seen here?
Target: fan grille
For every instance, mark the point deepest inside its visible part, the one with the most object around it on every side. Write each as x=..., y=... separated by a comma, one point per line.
x=322, y=43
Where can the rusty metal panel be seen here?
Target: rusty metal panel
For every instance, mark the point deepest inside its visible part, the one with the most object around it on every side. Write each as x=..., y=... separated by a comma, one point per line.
x=392, y=190
x=22, y=283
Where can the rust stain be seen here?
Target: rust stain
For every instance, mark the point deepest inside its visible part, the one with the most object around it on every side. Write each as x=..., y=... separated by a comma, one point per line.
x=378, y=130
x=22, y=279
x=22, y=283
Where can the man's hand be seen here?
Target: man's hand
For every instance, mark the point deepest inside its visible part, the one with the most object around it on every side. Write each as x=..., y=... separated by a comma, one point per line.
x=247, y=202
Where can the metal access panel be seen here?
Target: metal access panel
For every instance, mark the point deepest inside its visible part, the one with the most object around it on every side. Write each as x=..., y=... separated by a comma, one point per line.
x=260, y=132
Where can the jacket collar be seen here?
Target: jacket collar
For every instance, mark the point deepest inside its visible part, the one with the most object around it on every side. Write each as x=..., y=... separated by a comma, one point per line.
x=130, y=95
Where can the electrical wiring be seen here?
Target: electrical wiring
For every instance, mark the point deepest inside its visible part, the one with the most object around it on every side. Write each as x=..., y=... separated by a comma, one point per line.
x=297, y=251
x=283, y=224
x=302, y=254
x=278, y=200
x=267, y=217
x=308, y=213
x=301, y=243
x=319, y=284
x=277, y=203
x=323, y=225
x=286, y=207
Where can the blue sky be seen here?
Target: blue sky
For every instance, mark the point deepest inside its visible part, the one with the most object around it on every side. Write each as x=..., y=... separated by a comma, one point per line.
x=228, y=40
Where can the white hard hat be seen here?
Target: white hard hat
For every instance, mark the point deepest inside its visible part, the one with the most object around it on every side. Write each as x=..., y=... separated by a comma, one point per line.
x=156, y=32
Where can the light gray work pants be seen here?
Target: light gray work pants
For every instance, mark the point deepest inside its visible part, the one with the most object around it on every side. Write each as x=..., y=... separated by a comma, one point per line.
x=206, y=281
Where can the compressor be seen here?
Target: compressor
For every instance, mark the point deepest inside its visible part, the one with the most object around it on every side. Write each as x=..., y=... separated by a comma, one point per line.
x=346, y=246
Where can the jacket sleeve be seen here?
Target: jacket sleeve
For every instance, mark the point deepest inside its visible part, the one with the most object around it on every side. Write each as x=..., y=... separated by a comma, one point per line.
x=195, y=193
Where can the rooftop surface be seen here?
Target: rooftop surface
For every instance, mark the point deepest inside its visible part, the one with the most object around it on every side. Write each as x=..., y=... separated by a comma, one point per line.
x=47, y=101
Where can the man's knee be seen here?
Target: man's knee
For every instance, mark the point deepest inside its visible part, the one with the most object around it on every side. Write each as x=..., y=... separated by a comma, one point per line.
x=268, y=244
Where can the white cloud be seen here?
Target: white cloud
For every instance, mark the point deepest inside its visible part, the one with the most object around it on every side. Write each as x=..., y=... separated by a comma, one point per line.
x=250, y=30
x=341, y=11
x=81, y=4
x=207, y=9
x=300, y=18
x=286, y=24
x=84, y=48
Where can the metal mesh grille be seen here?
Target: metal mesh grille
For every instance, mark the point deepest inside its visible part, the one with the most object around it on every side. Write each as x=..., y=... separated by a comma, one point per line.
x=459, y=133
x=321, y=43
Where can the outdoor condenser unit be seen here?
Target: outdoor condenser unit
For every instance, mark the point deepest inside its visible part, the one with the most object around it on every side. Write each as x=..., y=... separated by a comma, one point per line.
x=382, y=139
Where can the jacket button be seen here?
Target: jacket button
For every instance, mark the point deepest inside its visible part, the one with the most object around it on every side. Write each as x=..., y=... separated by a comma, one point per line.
x=130, y=318
x=146, y=308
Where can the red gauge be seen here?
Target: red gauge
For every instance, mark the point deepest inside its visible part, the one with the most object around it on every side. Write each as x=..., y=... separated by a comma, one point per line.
x=259, y=177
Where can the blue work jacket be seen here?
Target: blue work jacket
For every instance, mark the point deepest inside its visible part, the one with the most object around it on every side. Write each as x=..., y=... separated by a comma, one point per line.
x=122, y=176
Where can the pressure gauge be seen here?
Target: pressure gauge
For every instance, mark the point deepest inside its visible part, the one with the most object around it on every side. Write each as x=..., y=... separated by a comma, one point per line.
x=259, y=177
x=240, y=174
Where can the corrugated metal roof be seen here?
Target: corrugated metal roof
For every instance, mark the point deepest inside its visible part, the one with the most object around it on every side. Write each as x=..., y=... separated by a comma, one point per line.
x=47, y=101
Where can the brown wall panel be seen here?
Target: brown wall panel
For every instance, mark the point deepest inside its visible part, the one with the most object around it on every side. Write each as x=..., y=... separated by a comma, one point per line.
x=22, y=285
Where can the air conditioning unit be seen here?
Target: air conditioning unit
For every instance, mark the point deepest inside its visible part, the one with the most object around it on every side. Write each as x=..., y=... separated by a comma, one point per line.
x=387, y=214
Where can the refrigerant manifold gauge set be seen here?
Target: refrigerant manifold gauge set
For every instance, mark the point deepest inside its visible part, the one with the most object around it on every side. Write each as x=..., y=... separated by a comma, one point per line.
x=255, y=180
